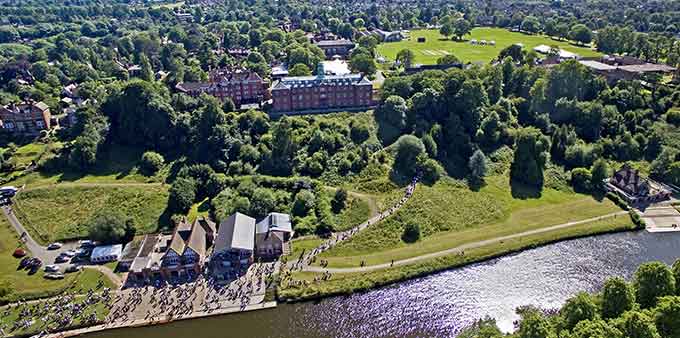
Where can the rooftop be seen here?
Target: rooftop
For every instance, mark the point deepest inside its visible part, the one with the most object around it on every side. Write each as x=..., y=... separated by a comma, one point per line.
x=236, y=232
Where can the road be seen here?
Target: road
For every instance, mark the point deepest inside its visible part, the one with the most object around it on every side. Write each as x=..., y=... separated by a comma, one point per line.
x=459, y=249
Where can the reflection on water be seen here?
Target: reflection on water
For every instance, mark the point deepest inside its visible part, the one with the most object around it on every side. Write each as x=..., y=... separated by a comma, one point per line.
x=441, y=304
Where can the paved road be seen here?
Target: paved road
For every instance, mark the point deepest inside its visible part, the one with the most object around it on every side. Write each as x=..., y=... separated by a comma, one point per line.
x=459, y=249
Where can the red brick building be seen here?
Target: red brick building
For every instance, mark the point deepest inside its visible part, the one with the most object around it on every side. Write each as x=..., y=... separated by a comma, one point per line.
x=242, y=87
x=26, y=118
x=322, y=92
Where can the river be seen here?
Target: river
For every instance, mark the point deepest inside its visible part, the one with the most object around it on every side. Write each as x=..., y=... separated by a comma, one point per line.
x=442, y=304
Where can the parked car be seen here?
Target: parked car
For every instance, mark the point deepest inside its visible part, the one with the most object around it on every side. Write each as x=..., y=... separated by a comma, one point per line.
x=62, y=259
x=73, y=268
x=54, y=246
x=51, y=268
x=69, y=253
x=19, y=252
x=54, y=275
x=24, y=263
x=8, y=191
x=86, y=243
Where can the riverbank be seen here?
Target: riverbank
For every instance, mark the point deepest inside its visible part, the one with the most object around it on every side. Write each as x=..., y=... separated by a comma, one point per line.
x=348, y=283
x=160, y=321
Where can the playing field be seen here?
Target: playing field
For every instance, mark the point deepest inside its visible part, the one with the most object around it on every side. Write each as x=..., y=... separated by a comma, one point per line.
x=436, y=46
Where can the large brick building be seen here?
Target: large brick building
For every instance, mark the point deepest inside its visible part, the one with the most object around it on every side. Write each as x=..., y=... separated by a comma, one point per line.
x=322, y=92
x=26, y=118
x=334, y=48
x=241, y=87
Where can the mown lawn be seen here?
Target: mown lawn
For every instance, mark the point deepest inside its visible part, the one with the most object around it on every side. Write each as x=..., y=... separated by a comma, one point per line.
x=61, y=212
x=346, y=283
x=303, y=244
x=449, y=214
x=25, y=286
x=200, y=209
x=436, y=46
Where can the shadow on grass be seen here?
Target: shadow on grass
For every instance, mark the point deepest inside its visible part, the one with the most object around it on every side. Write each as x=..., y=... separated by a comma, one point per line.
x=165, y=221
x=476, y=184
x=523, y=191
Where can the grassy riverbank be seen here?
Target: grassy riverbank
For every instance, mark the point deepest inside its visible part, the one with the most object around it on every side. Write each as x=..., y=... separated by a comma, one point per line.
x=354, y=282
x=450, y=214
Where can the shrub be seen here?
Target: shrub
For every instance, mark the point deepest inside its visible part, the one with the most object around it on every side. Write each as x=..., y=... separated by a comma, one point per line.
x=637, y=220
x=339, y=200
x=673, y=116
x=182, y=195
x=151, y=163
x=581, y=180
x=411, y=233
x=617, y=200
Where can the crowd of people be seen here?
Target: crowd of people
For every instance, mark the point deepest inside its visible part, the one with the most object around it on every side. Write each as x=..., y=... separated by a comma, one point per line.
x=202, y=296
x=76, y=307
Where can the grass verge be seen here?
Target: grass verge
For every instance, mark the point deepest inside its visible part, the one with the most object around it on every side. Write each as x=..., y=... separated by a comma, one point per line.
x=349, y=283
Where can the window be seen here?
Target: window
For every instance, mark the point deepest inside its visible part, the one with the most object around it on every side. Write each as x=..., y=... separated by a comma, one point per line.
x=9, y=125
x=40, y=124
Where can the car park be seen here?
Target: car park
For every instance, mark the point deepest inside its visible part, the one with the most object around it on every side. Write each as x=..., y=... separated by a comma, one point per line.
x=86, y=243
x=24, y=263
x=54, y=246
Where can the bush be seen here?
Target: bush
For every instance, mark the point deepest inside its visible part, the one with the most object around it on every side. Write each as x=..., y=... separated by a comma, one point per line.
x=637, y=220
x=182, y=195
x=339, y=200
x=151, y=163
x=673, y=116
x=617, y=200
x=581, y=179
x=411, y=233
x=110, y=227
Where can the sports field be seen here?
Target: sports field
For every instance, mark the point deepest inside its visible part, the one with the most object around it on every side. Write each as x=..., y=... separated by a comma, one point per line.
x=436, y=46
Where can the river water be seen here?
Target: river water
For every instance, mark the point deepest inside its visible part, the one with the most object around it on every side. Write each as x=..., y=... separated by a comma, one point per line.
x=442, y=304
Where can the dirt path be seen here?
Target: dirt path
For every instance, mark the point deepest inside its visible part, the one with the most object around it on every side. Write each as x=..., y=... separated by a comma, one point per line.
x=459, y=249
x=93, y=185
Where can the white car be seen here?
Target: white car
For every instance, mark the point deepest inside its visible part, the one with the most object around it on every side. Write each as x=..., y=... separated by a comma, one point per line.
x=54, y=246
x=51, y=268
x=8, y=191
x=69, y=253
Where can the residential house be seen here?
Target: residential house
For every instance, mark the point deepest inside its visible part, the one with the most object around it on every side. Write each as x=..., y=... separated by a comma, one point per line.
x=272, y=236
x=25, y=118
x=627, y=183
x=186, y=252
x=234, y=247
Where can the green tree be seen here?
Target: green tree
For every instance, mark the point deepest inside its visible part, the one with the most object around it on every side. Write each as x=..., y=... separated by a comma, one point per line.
x=262, y=202
x=283, y=148
x=531, y=25
x=617, y=298
x=530, y=157
x=363, y=63
x=227, y=202
x=666, y=317
x=636, y=324
x=182, y=195
x=300, y=69
x=304, y=202
x=449, y=59
x=581, y=179
x=339, y=200
x=483, y=328
x=446, y=30
x=477, y=165
x=599, y=172
x=146, y=73
x=408, y=148
x=652, y=281
x=534, y=325
x=151, y=162
x=107, y=227
x=578, y=308
x=596, y=329
x=581, y=34
x=406, y=57
x=676, y=274
x=461, y=27
x=411, y=232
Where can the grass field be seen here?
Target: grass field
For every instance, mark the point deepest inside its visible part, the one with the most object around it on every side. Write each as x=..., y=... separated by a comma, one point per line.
x=303, y=244
x=353, y=282
x=35, y=286
x=436, y=46
x=450, y=214
x=117, y=164
x=60, y=212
